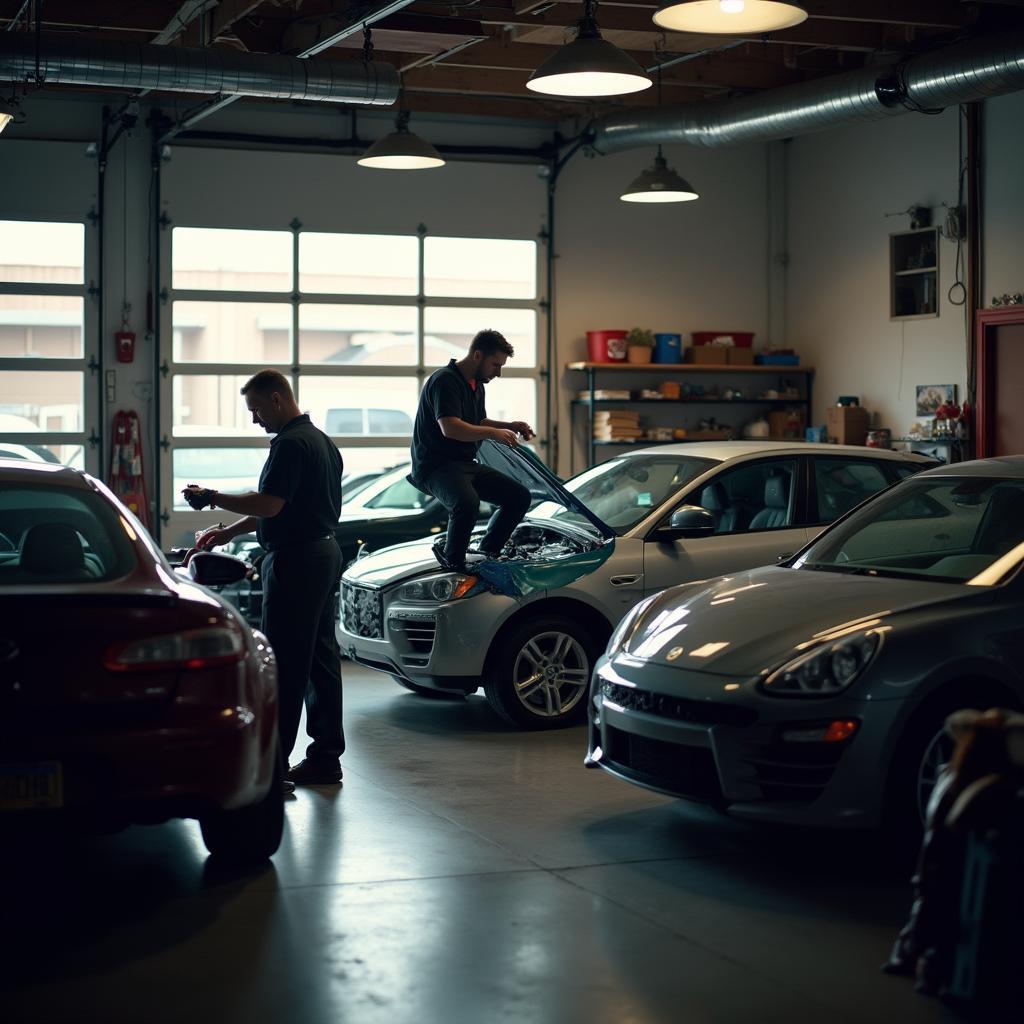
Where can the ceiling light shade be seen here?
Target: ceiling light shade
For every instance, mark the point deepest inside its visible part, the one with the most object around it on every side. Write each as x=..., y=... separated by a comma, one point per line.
x=8, y=111
x=659, y=184
x=589, y=66
x=729, y=17
x=402, y=150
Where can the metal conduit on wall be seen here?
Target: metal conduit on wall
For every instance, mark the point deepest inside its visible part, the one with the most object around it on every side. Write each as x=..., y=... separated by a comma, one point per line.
x=135, y=66
x=963, y=73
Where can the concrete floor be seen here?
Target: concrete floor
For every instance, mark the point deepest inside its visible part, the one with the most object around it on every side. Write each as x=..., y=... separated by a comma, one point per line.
x=465, y=873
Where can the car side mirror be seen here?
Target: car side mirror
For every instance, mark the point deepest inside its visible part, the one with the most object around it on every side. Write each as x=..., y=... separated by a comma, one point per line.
x=216, y=570
x=688, y=521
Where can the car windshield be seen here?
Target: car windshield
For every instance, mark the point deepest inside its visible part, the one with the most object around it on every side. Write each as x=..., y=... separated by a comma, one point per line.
x=625, y=490
x=957, y=530
x=56, y=536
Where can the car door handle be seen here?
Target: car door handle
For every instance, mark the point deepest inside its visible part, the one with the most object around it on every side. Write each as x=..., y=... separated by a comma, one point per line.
x=626, y=581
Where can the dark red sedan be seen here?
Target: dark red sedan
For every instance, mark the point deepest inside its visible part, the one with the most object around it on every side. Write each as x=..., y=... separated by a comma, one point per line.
x=129, y=693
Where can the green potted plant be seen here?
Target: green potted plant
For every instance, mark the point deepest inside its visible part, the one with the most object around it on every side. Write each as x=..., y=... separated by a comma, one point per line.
x=639, y=343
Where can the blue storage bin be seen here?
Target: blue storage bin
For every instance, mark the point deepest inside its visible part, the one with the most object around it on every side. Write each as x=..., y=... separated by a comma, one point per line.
x=668, y=348
x=777, y=360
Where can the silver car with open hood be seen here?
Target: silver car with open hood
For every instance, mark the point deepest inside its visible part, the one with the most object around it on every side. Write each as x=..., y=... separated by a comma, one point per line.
x=529, y=627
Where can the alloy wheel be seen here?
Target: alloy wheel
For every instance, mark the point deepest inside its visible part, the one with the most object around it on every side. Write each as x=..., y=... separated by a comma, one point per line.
x=551, y=674
x=933, y=762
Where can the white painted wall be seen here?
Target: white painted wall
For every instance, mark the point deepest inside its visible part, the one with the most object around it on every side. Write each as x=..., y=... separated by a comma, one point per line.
x=678, y=267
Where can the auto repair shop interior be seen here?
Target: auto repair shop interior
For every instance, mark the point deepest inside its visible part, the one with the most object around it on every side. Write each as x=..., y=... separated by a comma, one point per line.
x=760, y=264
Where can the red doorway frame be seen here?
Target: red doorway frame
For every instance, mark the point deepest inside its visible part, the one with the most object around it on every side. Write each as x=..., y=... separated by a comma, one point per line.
x=985, y=323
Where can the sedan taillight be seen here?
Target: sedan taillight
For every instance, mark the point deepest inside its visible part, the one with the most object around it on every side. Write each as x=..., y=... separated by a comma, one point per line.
x=191, y=649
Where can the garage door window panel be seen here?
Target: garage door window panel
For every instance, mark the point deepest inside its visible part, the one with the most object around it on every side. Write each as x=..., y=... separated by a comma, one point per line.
x=42, y=327
x=254, y=333
x=211, y=405
x=357, y=335
x=231, y=260
x=42, y=252
x=494, y=268
x=448, y=331
x=349, y=264
x=360, y=406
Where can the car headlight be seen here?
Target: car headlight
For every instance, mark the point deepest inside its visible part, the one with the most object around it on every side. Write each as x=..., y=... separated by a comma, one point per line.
x=437, y=589
x=825, y=670
x=624, y=629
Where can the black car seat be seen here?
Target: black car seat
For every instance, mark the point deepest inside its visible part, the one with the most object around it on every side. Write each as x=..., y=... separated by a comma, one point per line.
x=776, y=504
x=53, y=550
x=728, y=517
x=1002, y=527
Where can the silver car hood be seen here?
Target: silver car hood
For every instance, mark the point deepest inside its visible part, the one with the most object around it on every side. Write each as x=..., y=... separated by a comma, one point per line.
x=393, y=564
x=743, y=624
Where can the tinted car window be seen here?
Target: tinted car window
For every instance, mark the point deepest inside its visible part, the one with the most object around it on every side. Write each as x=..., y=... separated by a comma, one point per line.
x=389, y=421
x=401, y=494
x=52, y=535
x=344, y=421
x=754, y=496
x=842, y=484
x=948, y=528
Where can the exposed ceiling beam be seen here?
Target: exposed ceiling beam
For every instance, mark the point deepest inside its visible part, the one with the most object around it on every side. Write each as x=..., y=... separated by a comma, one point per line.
x=307, y=39
x=228, y=12
x=183, y=17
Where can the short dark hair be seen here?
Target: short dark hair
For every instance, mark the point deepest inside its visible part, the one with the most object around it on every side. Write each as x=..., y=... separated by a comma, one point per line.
x=266, y=382
x=488, y=342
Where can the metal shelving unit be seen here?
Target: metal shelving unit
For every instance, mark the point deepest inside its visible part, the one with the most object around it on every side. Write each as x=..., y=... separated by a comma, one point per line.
x=696, y=370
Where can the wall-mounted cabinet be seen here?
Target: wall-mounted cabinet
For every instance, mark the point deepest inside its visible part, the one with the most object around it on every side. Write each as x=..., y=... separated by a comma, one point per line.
x=914, y=274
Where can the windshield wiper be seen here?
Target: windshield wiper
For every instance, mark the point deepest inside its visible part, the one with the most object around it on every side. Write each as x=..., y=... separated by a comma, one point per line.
x=847, y=570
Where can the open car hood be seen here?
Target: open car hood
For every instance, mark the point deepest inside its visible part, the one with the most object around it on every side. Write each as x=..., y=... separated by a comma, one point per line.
x=523, y=465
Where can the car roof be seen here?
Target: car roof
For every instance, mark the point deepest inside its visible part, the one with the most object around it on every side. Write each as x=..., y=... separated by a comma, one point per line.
x=722, y=451
x=1010, y=466
x=45, y=473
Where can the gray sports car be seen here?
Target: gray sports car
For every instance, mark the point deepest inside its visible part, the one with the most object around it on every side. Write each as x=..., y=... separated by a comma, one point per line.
x=815, y=692
x=529, y=627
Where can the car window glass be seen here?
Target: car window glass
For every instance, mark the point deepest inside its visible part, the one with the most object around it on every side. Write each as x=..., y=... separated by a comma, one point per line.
x=344, y=421
x=56, y=536
x=389, y=421
x=949, y=528
x=401, y=494
x=755, y=496
x=842, y=484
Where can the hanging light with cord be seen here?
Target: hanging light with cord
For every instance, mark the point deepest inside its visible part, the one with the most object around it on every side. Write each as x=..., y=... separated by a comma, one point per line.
x=729, y=17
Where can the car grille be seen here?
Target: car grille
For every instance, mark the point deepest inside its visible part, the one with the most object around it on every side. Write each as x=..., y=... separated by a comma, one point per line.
x=679, y=709
x=686, y=771
x=794, y=772
x=362, y=611
x=418, y=633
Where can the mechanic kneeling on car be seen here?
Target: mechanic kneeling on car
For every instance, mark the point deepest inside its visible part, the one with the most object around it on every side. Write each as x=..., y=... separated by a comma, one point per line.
x=451, y=421
x=294, y=512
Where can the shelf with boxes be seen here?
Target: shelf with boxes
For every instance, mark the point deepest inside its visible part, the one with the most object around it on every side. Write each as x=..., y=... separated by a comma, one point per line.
x=783, y=392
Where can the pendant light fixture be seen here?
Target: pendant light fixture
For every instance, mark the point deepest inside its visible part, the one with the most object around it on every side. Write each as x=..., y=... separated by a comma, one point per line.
x=589, y=65
x=729, y=17
x=401, y=150
x=9, y=110
x=659, y=184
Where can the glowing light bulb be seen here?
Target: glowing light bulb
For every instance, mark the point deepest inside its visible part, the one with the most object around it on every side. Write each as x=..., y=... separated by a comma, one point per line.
x=731, y=6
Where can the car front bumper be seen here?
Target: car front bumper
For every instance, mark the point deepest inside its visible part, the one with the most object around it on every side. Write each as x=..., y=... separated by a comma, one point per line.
x=440, y=647
x=720, y=741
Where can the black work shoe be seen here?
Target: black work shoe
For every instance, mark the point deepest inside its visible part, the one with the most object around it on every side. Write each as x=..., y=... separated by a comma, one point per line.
x=315, y=773
x=445, y=561
x=288, y=788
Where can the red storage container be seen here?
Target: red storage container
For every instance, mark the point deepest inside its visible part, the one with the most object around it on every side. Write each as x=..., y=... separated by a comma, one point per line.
x=606, y=346
x=741, y=339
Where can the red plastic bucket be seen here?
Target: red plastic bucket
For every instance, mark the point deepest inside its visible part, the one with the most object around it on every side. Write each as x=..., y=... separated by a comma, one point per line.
x=606, y=346
x=741, y=339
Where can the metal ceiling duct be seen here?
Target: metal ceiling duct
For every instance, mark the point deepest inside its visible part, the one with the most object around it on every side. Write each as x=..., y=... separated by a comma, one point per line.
x=962, y=73
x=216, y=69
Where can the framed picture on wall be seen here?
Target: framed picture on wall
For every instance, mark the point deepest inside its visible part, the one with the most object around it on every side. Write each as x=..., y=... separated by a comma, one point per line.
x=931, y=396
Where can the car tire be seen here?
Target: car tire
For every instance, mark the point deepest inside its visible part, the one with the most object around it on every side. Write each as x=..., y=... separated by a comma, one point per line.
x=248, y=835
x=426, y=691
x=921, y=754
x=560, y=648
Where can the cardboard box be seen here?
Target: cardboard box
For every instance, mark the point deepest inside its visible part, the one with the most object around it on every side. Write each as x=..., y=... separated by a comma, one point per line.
x=848, y=424
x=740, y=356
x=714, y=354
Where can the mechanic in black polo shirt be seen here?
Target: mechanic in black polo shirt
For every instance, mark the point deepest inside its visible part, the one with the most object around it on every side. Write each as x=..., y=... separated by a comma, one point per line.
x=451, y=421
x=294, y=513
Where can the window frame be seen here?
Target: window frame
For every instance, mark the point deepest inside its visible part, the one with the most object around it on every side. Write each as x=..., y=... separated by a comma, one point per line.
x=87, y=438
x=179, y=519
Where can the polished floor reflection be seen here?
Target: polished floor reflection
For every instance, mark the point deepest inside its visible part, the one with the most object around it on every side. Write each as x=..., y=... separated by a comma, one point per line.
x=465, y=873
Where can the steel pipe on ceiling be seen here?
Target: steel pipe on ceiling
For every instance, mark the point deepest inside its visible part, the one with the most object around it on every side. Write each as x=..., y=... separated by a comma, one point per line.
x=215, y=69
x=962, y=73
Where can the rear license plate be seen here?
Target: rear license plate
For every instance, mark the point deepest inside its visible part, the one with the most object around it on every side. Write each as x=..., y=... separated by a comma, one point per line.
x=31, y=786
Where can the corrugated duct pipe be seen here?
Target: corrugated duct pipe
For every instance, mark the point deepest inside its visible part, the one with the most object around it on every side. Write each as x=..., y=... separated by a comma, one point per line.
x=216, y=69
x=955, y=74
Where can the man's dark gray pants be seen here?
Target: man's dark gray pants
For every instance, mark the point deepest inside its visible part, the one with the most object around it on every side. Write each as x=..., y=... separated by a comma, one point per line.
x=460, y=487
x=299, y=584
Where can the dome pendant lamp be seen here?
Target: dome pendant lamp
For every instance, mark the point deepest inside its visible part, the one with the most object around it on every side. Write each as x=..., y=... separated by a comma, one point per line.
x=729, y=17
x=589, y=66
x=401, y=150
x=659, y=184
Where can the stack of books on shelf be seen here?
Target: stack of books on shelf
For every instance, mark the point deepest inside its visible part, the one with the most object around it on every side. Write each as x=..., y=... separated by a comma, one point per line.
x=617, y=425
x=604, y=394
